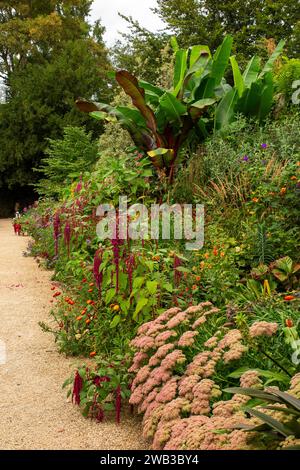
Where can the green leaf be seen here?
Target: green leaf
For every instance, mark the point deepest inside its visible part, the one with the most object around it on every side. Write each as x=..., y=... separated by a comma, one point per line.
x=152, y=287
x=196, y=52
x=220, y=59
x=196, y=110
x=110, y=294
x=238, y=79
x=226, y=109
x=179, y=70
x=138, y=282
x=269, y=64
x=132, y=114
x=285, y=264
x=251, y=73
x=140, y=305
x=172, y=107
x=116, y=320
x=161, y=157
x=266, y=98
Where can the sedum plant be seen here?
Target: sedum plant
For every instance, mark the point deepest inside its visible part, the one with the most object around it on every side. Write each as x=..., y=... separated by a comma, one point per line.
x=163, y=122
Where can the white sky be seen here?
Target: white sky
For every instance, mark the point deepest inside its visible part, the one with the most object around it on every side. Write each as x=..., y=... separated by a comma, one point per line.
x=107, y=11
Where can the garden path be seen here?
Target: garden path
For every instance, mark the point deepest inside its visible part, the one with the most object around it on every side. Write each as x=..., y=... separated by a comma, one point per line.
x=34, y=410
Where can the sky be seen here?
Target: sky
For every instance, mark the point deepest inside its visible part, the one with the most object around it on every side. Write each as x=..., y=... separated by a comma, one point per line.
x=107, y=11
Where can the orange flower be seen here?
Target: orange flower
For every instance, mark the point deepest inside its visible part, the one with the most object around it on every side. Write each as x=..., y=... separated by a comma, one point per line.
x=88, y=321
x=255, y=199
x=293, y=178
x=298, y=163
x=84, y=280
x=289, y=297
x=222, y=254
x=83, y=312
x=93, y=354
x=89, y=302
x=289, y=323
x=206, y=255
x=71, y=302
x=91, y=284
x=116, y=308
x=79, y=318
x=198, y=278
x=194, y=287
x=283, y=191
x=215, y=251
x=90, y=290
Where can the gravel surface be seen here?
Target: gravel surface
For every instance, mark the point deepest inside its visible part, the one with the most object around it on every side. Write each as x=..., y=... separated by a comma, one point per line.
x=34, y=410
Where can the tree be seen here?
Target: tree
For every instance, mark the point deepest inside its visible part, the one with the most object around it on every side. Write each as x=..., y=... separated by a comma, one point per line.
x=139, y=51
x=65, y=60
x=249, y=21
x=66, y=160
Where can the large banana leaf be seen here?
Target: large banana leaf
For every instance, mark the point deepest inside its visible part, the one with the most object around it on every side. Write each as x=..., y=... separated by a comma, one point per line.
x=179, y=70
x=220, y=59
x=266, y=97
x=152, y=92
x=225, y=110
x=237, y=76
x=197, y=109
x=252, y=70
x=130, y=85
x=173, y=108
x=269, y=64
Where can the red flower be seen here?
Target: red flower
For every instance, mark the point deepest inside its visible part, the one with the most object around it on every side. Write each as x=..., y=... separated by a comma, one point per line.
x=289, y=297
x=289, y=323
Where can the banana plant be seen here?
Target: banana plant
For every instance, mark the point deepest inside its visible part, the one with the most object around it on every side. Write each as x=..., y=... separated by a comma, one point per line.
x=252, y=93
x=163, y=122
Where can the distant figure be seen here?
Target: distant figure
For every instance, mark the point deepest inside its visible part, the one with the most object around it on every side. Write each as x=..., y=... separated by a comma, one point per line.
x=17, y=207
x=16, y=224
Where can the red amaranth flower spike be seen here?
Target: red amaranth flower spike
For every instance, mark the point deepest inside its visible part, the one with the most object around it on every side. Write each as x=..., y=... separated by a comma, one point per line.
x=118, y=404
x=77, y=387
x=98, y=274
x=67, y=236
x=56, y=231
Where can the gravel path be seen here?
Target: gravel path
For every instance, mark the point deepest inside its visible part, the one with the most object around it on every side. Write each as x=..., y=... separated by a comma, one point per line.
x=34, y=411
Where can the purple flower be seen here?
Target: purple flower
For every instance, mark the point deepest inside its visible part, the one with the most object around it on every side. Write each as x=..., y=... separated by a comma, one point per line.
x=88, y=242
x=245, y=158
x=264, y=146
